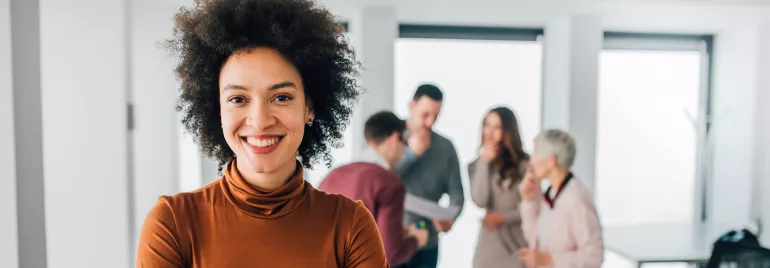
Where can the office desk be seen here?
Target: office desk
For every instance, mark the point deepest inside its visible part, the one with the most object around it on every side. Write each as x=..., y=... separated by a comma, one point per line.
x=659, y=243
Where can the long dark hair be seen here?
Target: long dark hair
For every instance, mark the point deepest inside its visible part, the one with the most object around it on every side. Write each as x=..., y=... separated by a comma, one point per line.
x=511, y=149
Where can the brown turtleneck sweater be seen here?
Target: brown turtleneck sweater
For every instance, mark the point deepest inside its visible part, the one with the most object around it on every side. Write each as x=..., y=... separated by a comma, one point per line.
x=230, y=223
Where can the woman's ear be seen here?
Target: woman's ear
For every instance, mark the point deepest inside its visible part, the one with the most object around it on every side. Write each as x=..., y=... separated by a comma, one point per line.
x=309, y=112
x=310, y=118
x=553, y=161
x=310, y=115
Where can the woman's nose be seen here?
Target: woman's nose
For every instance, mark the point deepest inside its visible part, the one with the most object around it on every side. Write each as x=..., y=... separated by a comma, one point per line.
x=260, y=116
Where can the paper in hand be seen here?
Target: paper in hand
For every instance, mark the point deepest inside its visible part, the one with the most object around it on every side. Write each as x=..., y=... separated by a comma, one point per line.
x=429, y=209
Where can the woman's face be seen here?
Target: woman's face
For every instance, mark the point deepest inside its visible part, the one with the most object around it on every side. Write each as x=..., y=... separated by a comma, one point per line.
x=529, y=174
x=541, y=166
x=263, y=110
x=492, y=130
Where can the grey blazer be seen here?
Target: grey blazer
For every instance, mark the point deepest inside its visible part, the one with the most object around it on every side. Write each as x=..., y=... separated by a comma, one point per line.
x=498, y=247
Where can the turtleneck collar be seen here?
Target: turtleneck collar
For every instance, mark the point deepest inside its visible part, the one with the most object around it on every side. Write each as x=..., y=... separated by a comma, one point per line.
x=260, y=203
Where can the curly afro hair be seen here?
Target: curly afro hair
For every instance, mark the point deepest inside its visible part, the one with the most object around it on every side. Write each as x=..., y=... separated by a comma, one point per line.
x=301, y=30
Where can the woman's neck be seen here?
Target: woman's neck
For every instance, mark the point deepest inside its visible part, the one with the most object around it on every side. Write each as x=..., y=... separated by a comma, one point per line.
x=270, y=181
x=557, y=176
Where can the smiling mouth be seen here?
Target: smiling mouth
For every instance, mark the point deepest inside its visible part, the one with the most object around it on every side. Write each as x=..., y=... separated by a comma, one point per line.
x=262, y=144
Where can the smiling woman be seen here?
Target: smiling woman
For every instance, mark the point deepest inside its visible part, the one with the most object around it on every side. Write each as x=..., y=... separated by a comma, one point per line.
x=264, y=112
x=267, y=87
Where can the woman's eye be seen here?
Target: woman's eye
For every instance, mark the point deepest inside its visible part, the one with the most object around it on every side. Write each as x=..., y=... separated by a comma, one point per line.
x=282, y=98
x=237, y=100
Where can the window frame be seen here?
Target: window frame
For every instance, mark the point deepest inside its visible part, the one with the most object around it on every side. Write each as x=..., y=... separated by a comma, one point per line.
x=468, y=32
x=704, y=44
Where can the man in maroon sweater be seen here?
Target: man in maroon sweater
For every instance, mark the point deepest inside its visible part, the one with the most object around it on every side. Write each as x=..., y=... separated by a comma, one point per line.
x=374, y=182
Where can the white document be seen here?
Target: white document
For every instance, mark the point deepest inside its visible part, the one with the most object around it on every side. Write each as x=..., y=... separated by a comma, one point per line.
x=429, y=209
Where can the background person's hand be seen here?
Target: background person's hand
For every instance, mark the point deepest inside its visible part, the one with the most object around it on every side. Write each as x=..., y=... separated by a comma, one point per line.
x=419, y=142
x=492, y=220
x=420, y=234
x=443, y=225
x=528, y=257
x=535, y=258
x=528, y=188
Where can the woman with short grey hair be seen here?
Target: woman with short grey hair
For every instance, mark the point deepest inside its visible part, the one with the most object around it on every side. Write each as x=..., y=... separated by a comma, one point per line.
x=563, y=230
x=559, y=144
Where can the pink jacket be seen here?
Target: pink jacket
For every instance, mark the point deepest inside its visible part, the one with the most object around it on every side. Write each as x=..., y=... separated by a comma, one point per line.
x=570, y=231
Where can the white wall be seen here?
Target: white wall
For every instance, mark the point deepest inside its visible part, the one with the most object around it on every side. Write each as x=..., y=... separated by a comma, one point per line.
x=734, y=87
x=586, y=40
x=9, y=247
x=84, y=76
x=761, y=199
x=556, y=74
x=153, y=93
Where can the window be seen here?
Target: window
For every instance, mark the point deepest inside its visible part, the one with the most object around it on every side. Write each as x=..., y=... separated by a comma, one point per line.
x=475, y=75
x=653, y=93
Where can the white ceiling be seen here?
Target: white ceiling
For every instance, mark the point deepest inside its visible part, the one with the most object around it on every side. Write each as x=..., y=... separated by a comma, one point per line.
x=754, y=2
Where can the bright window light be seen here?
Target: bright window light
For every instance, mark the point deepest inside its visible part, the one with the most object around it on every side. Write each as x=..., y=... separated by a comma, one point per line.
x=475, y=76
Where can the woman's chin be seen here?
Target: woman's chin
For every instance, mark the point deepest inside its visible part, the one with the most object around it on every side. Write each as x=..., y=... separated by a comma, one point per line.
x=264, y=165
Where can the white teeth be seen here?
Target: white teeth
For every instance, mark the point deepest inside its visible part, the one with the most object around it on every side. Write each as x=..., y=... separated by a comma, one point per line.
x=261, y=142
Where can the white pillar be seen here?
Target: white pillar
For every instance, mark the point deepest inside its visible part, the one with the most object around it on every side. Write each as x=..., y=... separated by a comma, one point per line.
x=761, y=177
x=25, y=41
x=84, y=85
x=153, y=94
x=570, y=87
x=732, y=130
x=9, y=242
x=374, y=31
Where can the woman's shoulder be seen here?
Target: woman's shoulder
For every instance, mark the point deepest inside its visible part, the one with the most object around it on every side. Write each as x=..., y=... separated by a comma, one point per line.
x=342, y=208
x=205, y=195
x=577, y=191
x=333, y=202
x=171, y=216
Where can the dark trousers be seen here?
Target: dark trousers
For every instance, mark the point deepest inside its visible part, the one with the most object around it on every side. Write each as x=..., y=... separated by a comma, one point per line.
x=424, y=258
